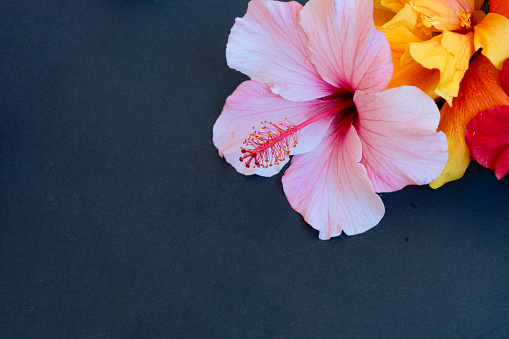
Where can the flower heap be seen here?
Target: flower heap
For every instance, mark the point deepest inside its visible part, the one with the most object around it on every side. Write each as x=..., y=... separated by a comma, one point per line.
x=318, y=92
x=449, y=49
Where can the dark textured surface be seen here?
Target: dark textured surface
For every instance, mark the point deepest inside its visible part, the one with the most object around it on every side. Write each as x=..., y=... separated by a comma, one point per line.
x=119, y=219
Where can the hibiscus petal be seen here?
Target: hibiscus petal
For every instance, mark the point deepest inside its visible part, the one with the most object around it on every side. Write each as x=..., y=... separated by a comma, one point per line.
x=491, y=35
x=401, y=30
x=500, y=7
x=393, y=5
x=487, y=137
x=461, y=46
x=253, y=103
x=502, y=165
x=344, y=45
x=504, y=76
x=330, y=188
x=413, y=74
x=400, y=145
x=269, y=46
x=380, y=13
x=480, y=90
x=448, y=52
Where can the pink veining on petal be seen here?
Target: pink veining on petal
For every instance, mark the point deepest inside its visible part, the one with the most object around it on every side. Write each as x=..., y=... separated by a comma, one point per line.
x=345, y=47
x=269, y=46
x=330, y=188
x=400, y=145
x=487, y=137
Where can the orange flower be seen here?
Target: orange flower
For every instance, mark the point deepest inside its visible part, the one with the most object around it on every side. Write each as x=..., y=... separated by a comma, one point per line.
x=432, y=44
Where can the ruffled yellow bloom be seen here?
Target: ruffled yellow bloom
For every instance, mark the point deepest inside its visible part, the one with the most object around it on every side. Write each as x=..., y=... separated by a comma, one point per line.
x=432, y=44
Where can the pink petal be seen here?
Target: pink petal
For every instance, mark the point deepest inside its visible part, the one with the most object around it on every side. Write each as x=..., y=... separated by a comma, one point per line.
x=330, y=188
x=252, y=103
x=488, y=139
x=344, y=45
x=504, y=76
x=269, y=46
x=400, y=145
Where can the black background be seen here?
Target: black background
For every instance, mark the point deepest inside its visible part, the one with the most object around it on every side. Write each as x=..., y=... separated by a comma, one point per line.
x=119, y=219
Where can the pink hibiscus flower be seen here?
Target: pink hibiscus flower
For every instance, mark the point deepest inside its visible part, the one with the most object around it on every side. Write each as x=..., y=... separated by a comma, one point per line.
x=487, y=134
x=319, y=74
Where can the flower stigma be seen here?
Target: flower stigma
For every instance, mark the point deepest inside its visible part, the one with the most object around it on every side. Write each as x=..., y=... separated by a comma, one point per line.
x=269, y=145
x=272, y=143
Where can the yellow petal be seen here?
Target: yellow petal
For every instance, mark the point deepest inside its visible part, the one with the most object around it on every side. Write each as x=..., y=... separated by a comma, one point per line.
x=448, y=85
x=480, y=90
x=410, y=20
x=461, y=46
x=491, y=36
x=430, y=54
x=401, y=30
x=450, y=53
x=398, y=39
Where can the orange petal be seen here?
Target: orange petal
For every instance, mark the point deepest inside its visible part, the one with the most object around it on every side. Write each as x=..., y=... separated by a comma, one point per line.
x=394, y=5
x=479, y=90
x=413, y=74
x=381, y=14
x=500, y=7
x=401, y=30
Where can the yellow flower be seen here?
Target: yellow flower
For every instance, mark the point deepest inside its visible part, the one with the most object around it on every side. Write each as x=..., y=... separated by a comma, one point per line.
x=441, y=36
x=432, y=44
